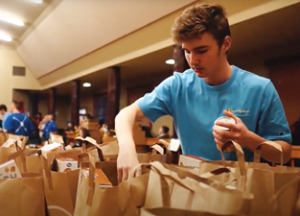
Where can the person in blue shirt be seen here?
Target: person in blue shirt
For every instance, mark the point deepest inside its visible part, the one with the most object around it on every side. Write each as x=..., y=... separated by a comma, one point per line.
x=211, y=88
x=17, y=123
x=50, y=127
x=4, y=113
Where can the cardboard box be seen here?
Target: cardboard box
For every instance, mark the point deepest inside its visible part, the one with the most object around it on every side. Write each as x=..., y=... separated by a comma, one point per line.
x=66, y=164
x=9, y=170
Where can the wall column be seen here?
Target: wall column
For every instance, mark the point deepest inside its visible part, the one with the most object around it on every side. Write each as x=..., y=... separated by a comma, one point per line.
x=180, y=65
x=75, y=102
x=34, y=104
x=113, y=95
x=52, y=102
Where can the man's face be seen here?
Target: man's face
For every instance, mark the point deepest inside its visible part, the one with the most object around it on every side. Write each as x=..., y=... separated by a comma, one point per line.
x=2, y=112
x=204, y=55
x=160, y=131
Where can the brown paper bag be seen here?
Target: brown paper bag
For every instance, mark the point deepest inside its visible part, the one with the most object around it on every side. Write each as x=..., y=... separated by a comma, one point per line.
x=174, y=212
x=110, y=152
x=61, y=188
x=173, y=187
x=122, y=199
x=262, y=180
x=5, y=154
x=3, y=137
x=275, y=199
x=32, y=160
x=23, y=139
x=22, y=196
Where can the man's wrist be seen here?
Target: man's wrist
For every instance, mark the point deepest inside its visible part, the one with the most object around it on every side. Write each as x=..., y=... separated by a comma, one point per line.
x=252, y=141
x=126, y=146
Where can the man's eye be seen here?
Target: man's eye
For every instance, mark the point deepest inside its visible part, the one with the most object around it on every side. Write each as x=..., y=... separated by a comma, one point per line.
x=201, y=51
x=187, y=52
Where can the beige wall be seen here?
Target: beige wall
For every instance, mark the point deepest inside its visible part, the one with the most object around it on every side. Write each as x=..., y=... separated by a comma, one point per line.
x=8, y=59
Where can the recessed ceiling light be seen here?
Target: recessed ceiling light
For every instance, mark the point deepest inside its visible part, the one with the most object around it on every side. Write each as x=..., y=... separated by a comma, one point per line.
x=86, y=84
x=37, y=1
x=170, y=61
x=5, y=38
x=11, y=20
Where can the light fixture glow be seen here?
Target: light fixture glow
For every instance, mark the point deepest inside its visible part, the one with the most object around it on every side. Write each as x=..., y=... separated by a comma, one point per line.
x=37, y=1
x=11, y=20
x=86, y=84
x=5, y=38
x=170, y=61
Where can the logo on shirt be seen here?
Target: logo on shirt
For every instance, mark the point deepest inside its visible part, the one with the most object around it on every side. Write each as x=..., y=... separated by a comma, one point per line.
x=237, y=111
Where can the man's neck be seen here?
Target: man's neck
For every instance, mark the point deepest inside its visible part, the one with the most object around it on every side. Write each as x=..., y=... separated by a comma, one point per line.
x=221, y=75
x=16, y=111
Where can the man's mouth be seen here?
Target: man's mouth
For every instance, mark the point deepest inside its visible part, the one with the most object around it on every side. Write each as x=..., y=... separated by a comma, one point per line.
x=198, y=69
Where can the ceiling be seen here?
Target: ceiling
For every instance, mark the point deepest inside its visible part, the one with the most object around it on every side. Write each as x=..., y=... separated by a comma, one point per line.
x=78, y=27
x=263, y=37
x=24, y=10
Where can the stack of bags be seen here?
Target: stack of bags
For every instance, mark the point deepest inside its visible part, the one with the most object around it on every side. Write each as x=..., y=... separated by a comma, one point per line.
x=84, y=182
x=93, y=126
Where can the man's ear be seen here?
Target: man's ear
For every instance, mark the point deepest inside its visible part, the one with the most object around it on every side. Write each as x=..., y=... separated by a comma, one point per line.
x=227, y=44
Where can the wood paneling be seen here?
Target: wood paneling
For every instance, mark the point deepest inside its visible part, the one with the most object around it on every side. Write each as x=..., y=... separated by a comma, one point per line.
x=137, y=92
x=286, y=79
x=75, y=102
x=52, y=102
x=113, y=95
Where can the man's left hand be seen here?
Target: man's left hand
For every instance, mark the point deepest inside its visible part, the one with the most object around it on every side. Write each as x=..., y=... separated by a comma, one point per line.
x=237, y=132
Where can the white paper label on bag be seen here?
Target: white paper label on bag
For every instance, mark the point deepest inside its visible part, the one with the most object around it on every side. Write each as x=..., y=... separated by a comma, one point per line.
x=174, y=145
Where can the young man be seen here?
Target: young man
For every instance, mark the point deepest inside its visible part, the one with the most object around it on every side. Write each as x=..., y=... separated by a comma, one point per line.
x=210, y=89
x=18, y=123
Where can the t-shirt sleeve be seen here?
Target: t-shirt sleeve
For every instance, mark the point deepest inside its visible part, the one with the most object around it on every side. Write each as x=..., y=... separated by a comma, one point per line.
x=7, y=123
x=158, y=103
x=272, y=123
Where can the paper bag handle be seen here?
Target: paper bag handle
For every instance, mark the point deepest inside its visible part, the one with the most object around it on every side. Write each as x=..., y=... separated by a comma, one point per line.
x=46, y=170
x=169, y=174
x=19, y=153
x=91, y=183
x=257, y=152
x=240, y=157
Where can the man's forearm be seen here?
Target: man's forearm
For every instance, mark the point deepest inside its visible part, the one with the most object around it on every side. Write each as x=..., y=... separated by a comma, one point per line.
x=269, y=153
x=124, y=122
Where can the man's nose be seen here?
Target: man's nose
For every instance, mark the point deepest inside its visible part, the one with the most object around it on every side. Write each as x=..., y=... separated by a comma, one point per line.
x=194, y=60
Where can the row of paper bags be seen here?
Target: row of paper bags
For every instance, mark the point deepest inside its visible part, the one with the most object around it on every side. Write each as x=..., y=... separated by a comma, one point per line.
x=213, y=189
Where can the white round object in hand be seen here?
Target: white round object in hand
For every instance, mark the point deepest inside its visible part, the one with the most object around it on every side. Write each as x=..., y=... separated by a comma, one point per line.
x=225, y=119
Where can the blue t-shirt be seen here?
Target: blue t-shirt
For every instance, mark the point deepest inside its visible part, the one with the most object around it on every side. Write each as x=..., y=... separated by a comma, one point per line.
x=18, y=124
x=50, y=127
x=4, y=119
x=195, y=105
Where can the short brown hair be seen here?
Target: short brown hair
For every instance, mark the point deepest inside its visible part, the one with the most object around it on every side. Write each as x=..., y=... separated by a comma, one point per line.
x=18, y=105
x=199, y=19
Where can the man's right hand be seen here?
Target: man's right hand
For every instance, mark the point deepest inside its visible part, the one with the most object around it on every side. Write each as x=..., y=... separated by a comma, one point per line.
x=127, y=160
